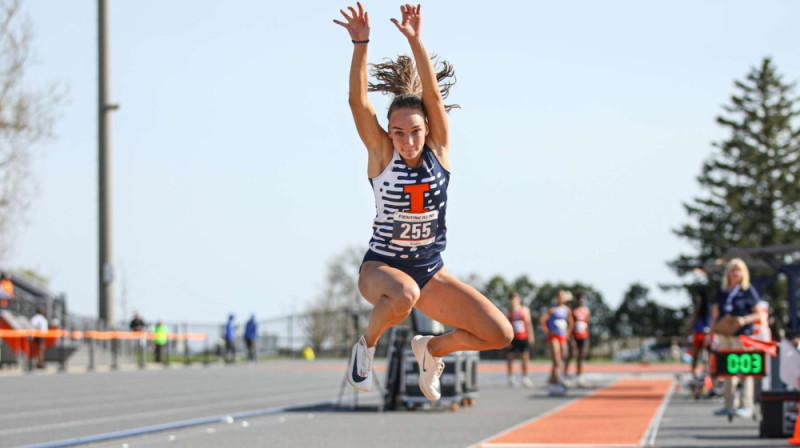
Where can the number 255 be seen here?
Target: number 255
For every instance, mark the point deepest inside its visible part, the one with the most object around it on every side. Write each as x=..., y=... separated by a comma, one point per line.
x=415, y=231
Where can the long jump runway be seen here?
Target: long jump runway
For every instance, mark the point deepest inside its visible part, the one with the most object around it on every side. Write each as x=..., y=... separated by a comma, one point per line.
x=291, y=403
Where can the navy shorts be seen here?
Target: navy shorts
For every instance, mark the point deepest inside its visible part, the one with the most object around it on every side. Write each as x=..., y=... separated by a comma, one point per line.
x=420, y=270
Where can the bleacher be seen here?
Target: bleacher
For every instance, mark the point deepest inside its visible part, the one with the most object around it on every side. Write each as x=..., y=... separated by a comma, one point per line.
x=16, y=312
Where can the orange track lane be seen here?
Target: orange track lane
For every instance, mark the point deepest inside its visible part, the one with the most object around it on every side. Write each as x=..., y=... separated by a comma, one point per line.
x=618, y=415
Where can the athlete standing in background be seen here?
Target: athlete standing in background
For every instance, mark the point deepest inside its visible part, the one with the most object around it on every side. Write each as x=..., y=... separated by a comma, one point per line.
x=557, y=323
x=700, y=326
x=579, y=339
x=408, y=166
x=520, y=317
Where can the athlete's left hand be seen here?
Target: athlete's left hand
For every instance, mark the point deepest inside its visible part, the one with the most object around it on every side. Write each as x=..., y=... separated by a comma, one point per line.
x=411, y=26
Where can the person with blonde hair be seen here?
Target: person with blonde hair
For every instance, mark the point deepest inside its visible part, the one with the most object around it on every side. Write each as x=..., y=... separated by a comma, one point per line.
x=734, y=313
x=557, y=324
x=408, y=166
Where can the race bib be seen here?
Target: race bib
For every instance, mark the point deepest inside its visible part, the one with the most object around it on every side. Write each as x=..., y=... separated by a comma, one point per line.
x=518, y=325
x=581, y=326
x=561, y=324
x=415, y=229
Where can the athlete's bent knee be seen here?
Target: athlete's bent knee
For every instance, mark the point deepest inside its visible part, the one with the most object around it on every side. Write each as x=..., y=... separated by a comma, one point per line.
x=502, y=336
x=403, y=298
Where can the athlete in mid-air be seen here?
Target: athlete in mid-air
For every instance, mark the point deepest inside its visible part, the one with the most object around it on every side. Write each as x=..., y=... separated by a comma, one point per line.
x=408, y=165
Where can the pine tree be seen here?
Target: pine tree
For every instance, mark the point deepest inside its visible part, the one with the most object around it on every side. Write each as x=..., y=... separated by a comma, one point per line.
x=753, y=180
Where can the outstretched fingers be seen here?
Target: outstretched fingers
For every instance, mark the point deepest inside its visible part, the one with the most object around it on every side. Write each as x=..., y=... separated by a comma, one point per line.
x=346, y=17
x=356, y=21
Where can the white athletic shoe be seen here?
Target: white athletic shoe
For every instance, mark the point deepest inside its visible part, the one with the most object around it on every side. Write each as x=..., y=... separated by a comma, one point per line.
x=359, y=374
x=582, y=382
x=527, y=382
x=512, y=382
x=430, y=368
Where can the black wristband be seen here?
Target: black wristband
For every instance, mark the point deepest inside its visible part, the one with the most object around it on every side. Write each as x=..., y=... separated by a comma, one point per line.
x=362, y=42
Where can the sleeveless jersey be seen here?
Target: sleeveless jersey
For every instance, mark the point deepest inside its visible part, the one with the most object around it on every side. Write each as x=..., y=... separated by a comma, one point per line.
x=557, y=322
x=518, y=323
x=410, y=209
x=581, y=316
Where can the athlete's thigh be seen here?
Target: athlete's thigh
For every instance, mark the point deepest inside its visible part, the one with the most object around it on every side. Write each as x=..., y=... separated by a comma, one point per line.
x=554, y=345
x=379, y=279
x=452, y=302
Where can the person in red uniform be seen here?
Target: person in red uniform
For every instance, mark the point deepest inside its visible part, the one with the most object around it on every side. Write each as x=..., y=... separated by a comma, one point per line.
x=6, y=290
x=579, y=339
x=520, y=317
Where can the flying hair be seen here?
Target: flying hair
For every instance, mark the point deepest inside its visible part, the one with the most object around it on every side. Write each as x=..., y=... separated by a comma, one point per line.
x=399, y=78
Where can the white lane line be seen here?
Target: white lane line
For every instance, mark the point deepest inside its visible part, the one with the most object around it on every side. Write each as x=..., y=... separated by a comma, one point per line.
x=655, y=423
x=138, y=415
x=175, y=425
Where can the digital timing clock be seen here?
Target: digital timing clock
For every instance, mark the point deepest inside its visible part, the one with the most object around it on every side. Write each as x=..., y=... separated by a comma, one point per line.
x=737, y=362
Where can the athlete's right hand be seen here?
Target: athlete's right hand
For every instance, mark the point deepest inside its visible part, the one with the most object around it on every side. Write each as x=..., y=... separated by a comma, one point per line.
x=357, y=22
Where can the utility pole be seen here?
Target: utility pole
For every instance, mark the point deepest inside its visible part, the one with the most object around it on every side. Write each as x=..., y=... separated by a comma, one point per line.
x=105, y=273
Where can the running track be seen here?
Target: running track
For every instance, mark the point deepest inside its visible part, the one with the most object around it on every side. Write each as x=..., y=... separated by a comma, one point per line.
x=256, y=406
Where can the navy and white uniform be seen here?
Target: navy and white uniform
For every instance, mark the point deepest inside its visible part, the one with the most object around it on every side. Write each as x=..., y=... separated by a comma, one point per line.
x=737, y=302
x=409, y=230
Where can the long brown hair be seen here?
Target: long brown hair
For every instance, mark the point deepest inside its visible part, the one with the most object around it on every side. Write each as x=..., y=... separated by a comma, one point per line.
x=399, y=78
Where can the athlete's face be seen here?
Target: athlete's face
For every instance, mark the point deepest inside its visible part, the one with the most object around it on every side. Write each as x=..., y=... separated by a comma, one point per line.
x=407, y=129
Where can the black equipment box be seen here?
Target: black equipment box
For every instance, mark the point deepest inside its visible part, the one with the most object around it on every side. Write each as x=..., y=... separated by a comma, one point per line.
x=779, y=409
x=459, y=380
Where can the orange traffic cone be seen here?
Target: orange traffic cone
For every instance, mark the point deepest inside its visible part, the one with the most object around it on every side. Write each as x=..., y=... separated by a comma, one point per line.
x=795, y=440
x=708, y=384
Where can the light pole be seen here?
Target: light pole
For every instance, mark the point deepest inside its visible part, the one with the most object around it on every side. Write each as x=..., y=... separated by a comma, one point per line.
x=105, y=273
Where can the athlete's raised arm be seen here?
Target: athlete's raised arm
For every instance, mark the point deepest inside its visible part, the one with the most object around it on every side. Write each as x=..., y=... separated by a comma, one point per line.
x=372, y=134
x=411, y=27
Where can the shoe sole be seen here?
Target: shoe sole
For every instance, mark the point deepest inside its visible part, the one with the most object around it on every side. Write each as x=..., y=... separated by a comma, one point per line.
x=356, y=386
x=418, y=356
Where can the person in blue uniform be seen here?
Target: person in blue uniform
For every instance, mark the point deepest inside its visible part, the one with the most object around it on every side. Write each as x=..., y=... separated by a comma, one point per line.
x=737, y=300
x=700, y=327
x=557, y=323
x=408, y=165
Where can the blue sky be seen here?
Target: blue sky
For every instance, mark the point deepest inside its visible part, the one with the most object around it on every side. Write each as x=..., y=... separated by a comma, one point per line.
x=238, y=174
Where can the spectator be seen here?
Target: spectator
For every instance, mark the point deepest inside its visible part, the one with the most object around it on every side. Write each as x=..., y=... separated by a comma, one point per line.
x=250, y=337
x=733, y=314
x=6, y=290
x=230, y=342
x=39, y=322
x=137, y=325
x=160, y=341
